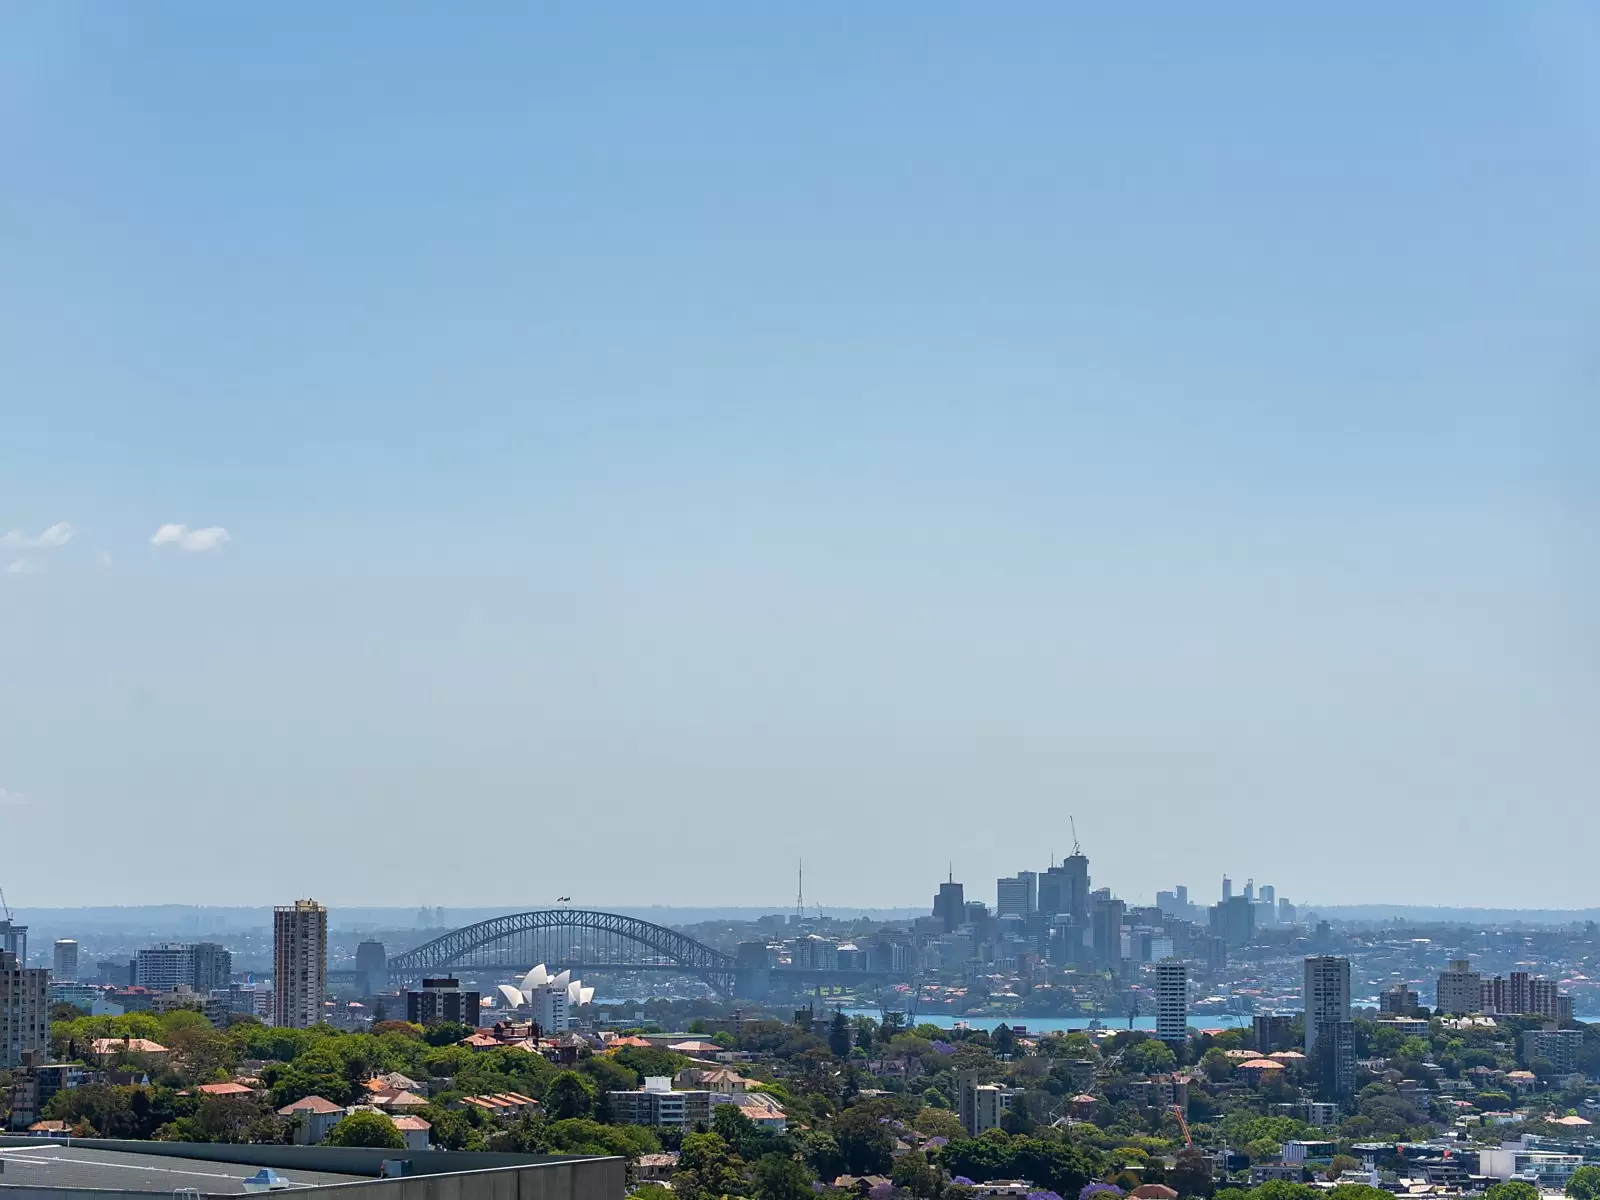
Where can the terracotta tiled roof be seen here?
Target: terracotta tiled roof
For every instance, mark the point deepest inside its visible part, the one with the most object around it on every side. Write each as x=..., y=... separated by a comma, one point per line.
x=316, y=1104
x=225, y=1089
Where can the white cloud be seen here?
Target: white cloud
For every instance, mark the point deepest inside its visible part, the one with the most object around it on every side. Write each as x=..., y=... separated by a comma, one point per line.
x=105, y=558
x=185, y=538
x=21, y=567
x=13, y=799
x=58, y=534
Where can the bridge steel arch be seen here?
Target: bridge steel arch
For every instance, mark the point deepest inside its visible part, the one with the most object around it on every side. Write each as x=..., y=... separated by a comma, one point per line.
x=612, y=941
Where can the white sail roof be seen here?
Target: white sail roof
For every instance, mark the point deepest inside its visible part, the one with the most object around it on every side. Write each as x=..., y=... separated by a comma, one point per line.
x=512, y=996
x=535, y=979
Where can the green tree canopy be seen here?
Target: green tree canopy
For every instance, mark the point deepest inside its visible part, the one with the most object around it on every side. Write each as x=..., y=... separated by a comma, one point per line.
x=570, y=1095
x=366, y=1129
x=1584, y=1184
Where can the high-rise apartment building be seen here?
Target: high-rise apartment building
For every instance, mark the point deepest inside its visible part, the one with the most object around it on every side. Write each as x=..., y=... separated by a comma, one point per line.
x=1330, y=1034
x=24, y=1010
x=1172, y=1000
x=299, y=963
x=165, y=967
x=1459, y=990
x=1526, y=994
x=1559, y=1047
x=1272, y=1032
x=442, y=999
x=211, y=966
x=203, y=966
x=65, y=962
x=1398, y=1000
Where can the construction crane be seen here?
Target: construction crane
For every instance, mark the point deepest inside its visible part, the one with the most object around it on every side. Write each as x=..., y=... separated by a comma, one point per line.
x=1177, y=1111
x=1072, y=821
x=4, y=907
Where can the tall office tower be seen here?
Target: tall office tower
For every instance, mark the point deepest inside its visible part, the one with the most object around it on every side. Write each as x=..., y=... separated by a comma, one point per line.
x=1017, y=896
x=950, y=904
x=24, y=1010
x=299, y=963
x=66, y=961
x=1234, y=920
x=1108, y=930
x=1250, y=890
x=1172, y=1000
x=1182, y=892
x=372, y=968
x=1269, y=894
x=1053, y=891
x=1227, y=889
x=1330, y=1034
x=1076, y=869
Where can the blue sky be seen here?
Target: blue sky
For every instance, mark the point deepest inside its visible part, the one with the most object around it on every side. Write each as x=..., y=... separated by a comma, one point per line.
x=655, y=444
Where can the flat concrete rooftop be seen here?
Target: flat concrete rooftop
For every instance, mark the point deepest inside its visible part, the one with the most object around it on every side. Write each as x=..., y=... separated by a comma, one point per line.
x=47, y=1164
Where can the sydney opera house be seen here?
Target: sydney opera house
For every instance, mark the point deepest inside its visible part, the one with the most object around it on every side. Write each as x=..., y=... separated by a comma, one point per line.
x=548, y=999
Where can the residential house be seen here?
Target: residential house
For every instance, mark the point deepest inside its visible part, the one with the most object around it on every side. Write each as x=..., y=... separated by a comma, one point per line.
x=312, y=1117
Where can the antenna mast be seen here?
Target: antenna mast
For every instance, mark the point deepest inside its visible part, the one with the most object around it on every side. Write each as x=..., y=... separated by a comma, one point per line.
x=800, y=894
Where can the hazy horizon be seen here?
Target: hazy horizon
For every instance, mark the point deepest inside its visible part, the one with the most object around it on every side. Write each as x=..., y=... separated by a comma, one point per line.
x=447, y=455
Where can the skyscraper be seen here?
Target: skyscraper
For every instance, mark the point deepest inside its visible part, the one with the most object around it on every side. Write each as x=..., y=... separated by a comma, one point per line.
x=1172, y=1000
x=950, y=904
x=1227, y=889
x=1330, y=1034
x=1017, y=895
x=1076, y=891
x=66, y=961
x=1108, y=930
x=372, y=968
x=299, y=964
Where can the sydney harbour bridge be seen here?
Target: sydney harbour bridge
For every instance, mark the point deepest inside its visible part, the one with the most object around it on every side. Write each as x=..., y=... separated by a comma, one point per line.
x=592, y=943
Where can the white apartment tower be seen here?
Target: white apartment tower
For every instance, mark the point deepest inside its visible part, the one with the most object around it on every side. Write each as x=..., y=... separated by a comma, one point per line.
x=299, y=964
x=1172, y=1000
x=66, y=961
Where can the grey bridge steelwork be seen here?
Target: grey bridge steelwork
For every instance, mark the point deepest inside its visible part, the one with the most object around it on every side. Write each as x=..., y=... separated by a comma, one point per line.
x=568, y=937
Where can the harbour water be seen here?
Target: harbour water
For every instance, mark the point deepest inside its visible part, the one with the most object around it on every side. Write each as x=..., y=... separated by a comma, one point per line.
x=1058, y=1024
